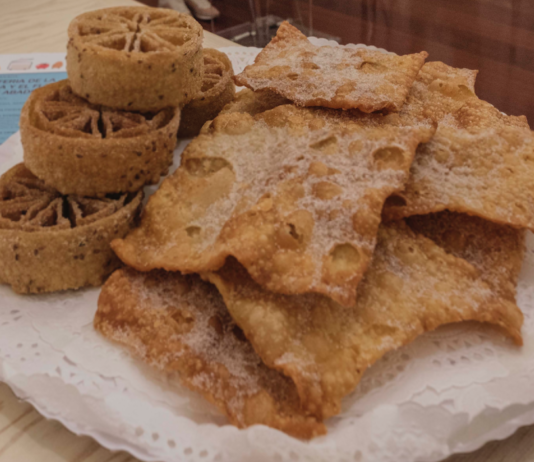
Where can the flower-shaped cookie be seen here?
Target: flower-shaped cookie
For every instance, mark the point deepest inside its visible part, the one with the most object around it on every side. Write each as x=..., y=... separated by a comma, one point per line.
x=50, y=242
x=80, y=148
x=135, y=58
x=217, y=90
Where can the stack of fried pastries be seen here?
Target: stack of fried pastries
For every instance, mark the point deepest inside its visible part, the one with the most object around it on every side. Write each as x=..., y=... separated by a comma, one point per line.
x=112, y=126
x=295, y=246
x=138, y=78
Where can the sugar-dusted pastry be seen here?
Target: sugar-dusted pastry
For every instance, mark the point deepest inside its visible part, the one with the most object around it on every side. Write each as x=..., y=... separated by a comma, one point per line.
x=254, y=102
x=50, y=242
x=439, y=90
x=217, y=90
x=179, y=324
x=80, y=148
x=340, y=77
x=135, y=58
x=479, y=162
x=295, y=194
x=412, y=286
x=497, y=251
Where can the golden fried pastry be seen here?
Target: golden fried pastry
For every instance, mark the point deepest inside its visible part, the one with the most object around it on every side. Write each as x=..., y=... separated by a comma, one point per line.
x=446, y=95
x=479, y=161
x=180, y=324
x=477, y=114
x=447, y=80
x=135, y=58
x=79, y=148
x=338, y=77
x=217, y=90
x=294, y=194
x=254, y=102
x=439, y=90
x=485, y=172
x=412, y=286
x=497, y=251
x=50, y=242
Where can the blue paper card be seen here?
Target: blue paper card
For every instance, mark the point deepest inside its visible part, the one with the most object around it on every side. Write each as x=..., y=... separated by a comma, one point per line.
x=19, y=76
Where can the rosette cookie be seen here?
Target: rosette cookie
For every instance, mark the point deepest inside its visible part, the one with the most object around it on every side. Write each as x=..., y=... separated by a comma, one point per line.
x=135, y=58
x=79, y=148
x=217, y=91
x=50, y=242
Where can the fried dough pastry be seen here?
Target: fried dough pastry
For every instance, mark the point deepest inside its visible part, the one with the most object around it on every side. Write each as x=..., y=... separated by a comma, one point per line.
x=294, y=194
x=439, y=90
x=50, y=242
x=338, y=77
x=180, y=324
x=254, y=102
x=477, y=114
x=79, y=148
x=135, y=58
x=485, y=172
x=479, y=161
x=446, y=95
x=412, y=286
x=217, y=90
x=497, y=251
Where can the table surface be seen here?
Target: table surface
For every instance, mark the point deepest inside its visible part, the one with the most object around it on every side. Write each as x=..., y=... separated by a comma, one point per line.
x=41, y=26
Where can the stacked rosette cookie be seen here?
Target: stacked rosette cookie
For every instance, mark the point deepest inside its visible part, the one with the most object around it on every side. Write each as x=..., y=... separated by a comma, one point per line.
x=93, y=141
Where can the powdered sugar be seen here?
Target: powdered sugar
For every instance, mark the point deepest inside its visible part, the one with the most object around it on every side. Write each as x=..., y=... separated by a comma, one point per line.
x=336, y=77
x=316, y=178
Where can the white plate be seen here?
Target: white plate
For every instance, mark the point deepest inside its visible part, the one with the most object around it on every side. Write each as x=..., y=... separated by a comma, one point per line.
x=450, y=391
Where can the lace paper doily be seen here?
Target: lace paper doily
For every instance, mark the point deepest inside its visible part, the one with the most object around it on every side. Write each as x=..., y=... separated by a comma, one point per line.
x=450, y=391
